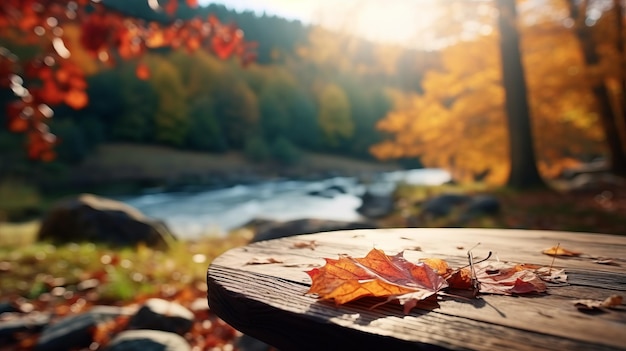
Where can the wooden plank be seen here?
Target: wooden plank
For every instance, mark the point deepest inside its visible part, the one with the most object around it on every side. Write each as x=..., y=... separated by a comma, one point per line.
x=454, y=325
x=546, y=322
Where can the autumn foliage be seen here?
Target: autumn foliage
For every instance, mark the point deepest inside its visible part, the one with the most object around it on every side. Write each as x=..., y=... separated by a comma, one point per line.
x=458, y=122
x=395, y=278
x=51, y=78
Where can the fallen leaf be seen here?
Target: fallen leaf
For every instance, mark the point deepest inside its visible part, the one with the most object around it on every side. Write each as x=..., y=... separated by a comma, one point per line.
x=609, y=302
x=552, y=275
x=606, y=261
x=378, y=275
x=506, y=279
x=559, y=251
x=305, y=245
x=266, y=260
x=460, y=279
x=437, y=264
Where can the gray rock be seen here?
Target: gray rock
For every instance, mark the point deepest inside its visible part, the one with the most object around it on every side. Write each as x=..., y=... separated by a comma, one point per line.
x=8, y=307
x=267, y=230
x=248, y=343
x=376, y=206
x=76, y=331
x=96, y=219
x=595, y=182
x=442, y=205
x=481, y=205
x=147, y=340
x=329, y=192
x=13, y=323
x=159, y=314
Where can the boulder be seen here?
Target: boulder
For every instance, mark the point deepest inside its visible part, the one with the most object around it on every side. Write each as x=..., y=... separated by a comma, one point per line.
x=442, y=205
x=90, y=218
x=14, y=324
x=267, y=230
x=376, y=206
x=329, y=192
x=481, y=205
x=8, y=307
x=159, y=314
x=76, y=331
x=147, y=340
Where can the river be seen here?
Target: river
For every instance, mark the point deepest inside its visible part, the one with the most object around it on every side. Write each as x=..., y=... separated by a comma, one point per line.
x=192, y=214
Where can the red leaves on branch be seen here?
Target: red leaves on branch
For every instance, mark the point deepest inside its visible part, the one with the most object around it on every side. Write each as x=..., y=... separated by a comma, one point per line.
x=394, y=278
x=108, y=35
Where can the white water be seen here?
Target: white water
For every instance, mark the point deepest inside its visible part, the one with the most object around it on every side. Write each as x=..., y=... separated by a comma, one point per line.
x=194, y=214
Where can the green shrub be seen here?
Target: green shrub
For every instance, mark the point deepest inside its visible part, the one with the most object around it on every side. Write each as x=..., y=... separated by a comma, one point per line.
x=284, y=151
x=256, y=150
x=17, y=199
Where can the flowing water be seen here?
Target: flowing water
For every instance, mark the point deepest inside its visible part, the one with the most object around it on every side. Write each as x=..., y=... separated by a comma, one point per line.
x=191, y=214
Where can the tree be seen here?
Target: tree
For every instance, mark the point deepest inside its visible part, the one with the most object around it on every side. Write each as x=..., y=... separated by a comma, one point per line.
x=335, y=118
x=523, y=172
x=459, y=123
x=170, y=120
x=610, y=117
x=51, y=78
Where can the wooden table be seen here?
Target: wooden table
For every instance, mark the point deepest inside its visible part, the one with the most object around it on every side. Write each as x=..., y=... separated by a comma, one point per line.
x=267, y=300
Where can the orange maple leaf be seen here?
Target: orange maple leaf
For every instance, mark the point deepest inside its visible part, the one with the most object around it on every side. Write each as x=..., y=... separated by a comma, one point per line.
x=378, y=275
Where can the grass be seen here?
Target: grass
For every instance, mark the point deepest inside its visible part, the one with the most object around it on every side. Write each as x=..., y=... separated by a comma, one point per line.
x=17, y=198
x=32, y=269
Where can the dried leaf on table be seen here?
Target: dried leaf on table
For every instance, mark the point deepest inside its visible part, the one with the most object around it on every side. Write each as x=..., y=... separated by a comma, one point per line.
x=609, y=302
x=559, y=251
x=506, y=279
x=552, y=275
x=305, y=245
x=347, y=279
x=606, y=261
x=393, y=277
x=438, y=265
x=266, y=260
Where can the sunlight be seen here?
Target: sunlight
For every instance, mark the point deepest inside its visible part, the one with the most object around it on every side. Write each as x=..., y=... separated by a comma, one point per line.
x=398, y=22
x=404, y=22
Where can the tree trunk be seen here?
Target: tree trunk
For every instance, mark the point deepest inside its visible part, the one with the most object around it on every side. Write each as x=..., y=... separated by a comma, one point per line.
x=608, y=115
x=524, y=173
x=620, y=13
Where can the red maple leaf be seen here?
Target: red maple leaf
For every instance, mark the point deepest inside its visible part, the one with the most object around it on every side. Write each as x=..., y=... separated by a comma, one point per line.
x=377, y=275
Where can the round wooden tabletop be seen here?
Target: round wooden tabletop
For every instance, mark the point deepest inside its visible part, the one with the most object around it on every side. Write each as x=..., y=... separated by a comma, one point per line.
x=260, y=289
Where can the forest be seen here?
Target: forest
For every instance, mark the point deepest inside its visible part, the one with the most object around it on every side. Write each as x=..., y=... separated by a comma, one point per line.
x=312, y=89
x=304, y=91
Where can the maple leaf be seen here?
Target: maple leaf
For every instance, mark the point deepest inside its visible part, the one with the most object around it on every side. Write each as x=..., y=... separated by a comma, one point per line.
x=506, y=279
x=378, y=275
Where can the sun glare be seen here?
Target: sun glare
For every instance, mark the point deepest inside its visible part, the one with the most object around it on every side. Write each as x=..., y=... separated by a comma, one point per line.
x=398, y=21
x=404, y=22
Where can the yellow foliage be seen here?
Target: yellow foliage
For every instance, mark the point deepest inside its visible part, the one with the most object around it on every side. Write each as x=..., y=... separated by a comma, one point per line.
x=459, y=122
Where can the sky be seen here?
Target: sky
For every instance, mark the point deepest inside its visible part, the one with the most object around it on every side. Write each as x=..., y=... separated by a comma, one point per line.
x=391, y=21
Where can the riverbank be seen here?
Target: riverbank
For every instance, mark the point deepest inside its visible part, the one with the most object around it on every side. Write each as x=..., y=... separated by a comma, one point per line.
x=117, y=169
x=158, y=165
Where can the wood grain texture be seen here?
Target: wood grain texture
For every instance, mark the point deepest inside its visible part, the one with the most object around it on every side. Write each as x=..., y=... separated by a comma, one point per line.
x=268, y=301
